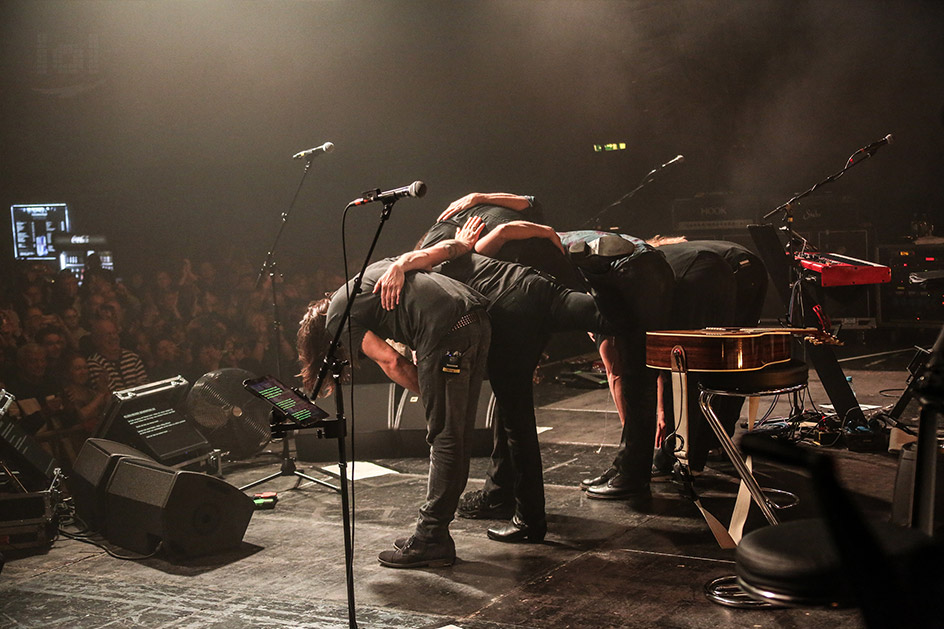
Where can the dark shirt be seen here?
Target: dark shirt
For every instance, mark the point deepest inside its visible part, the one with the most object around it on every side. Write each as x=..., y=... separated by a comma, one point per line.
x=539, y=253
x=492, y=278
x=682, y=255
x=430, y=305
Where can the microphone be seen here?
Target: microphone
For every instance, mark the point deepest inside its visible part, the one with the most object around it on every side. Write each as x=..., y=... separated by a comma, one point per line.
x=415, y=189
x=678, y=159
x=327, y=147
x=874, y=146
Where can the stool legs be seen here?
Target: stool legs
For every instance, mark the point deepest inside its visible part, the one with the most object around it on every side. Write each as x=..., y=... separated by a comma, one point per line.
x=747, y=477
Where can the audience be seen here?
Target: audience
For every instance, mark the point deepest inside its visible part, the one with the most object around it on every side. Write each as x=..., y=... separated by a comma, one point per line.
x=66, y=345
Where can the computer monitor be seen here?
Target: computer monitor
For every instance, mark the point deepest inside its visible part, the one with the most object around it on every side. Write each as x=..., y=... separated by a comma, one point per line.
x=33, y=229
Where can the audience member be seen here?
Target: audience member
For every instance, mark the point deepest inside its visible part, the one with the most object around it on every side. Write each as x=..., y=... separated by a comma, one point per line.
x=121, y=368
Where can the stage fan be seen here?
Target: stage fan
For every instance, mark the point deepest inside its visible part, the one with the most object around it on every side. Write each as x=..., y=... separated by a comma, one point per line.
x=230, y=417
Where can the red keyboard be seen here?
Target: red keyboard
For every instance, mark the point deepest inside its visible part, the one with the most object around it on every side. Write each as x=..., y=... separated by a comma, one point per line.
x=838, y=270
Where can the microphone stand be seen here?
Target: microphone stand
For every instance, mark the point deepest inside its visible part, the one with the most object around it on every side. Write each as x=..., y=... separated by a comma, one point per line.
x=335, y=365
x=824, y=360
x=649, y=178
x=269, y=268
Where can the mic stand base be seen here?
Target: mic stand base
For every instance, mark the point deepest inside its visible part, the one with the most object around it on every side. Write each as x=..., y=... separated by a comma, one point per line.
x=289, y=469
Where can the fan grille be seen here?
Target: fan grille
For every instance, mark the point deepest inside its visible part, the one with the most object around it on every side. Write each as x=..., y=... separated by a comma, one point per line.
x=231, y=418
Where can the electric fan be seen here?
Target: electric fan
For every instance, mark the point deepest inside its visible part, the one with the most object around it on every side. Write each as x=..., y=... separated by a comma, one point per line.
x=230, y=417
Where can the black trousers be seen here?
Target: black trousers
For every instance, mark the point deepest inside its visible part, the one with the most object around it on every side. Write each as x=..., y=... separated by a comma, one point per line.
x=713, y=291
x=636, y=295
x=522, y=322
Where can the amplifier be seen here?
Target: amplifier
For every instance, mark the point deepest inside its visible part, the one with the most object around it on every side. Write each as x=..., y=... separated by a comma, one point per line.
x=907, y=304
x=28, y=520
x=715, y=212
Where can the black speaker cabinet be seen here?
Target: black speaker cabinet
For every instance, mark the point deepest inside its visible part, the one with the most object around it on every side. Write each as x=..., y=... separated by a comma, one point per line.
x=390, y=422
x=91, y=472
x=192, y=513
x=151, y=418
x=21, y=451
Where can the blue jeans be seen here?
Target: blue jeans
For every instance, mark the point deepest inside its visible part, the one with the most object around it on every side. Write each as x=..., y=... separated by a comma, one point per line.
x=450, y=400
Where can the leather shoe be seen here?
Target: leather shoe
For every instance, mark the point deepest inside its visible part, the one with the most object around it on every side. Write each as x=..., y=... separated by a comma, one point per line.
x=518, y=531
x=619, y=487
x=598, y=480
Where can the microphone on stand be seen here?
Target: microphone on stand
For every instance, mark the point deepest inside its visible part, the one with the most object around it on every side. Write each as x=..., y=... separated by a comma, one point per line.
x=415, y=189
x=678, y=159
x=327, y=147
x=874, y=146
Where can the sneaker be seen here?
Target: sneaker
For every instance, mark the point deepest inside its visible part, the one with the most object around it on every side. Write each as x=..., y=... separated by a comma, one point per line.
x=415, y=553
x=478, y=504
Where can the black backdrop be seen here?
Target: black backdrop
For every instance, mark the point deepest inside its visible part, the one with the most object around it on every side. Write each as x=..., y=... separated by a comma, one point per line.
x=169, y=125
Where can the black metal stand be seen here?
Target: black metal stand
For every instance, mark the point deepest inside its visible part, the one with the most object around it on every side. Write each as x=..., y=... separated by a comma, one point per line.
x=335, y=366
x=797, y=290
x=930, y=391
x=649, y=178
x=289, y=469
x=269, y=268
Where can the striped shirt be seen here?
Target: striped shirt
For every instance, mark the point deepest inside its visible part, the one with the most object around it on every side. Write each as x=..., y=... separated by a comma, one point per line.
x=125, y=373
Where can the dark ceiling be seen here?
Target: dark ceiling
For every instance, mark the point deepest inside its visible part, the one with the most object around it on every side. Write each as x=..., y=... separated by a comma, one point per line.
x=169, y=125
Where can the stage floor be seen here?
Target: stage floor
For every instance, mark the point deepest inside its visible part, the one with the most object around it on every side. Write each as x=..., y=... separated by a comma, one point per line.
x=602, y=564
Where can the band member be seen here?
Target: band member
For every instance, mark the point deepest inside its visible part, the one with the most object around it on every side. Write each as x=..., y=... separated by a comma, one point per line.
x=718, y=284
x=445, y=323
x=525, y=308
x=631, y=283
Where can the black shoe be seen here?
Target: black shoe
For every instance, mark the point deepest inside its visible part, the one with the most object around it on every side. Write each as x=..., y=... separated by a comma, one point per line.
x=517, y=531
x=479, y=505
x=598, y=480
x=621, y=488
x=415, y=553
x=658, y=474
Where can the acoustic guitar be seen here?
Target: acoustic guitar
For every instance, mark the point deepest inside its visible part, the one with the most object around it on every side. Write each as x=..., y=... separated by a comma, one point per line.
x=728, y=349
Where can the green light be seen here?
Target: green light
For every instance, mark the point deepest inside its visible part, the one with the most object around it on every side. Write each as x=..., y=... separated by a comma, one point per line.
x=612, y=146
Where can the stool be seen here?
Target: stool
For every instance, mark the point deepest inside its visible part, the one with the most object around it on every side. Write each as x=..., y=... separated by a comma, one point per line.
x=777, y=379
x=891, y=573
x=796, y=564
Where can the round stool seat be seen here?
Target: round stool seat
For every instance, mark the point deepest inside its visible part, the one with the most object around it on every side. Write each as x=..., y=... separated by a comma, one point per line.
x=796, y=563
x=774, y=378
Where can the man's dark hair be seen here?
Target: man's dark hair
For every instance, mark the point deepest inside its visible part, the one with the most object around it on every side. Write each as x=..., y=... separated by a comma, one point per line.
x=312, y=341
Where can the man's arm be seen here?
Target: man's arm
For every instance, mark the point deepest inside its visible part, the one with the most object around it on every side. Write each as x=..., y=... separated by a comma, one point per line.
x=397, y=368
x=391, y=282
x=490, y=244
x=502, y=199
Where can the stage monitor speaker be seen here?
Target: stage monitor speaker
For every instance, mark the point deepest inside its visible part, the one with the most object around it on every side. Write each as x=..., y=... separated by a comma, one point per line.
x=35, y=466
x=191, y=513
x=410, y=424
x=91, y=472
x=372, y=409
x=149, y=418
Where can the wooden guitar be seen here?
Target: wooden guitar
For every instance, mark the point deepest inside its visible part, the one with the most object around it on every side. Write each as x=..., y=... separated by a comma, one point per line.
x=727, y=349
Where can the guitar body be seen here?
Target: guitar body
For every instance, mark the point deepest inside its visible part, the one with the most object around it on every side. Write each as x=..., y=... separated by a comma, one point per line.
x=720, y=349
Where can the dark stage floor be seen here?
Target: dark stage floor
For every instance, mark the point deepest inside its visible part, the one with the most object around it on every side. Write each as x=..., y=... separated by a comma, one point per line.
x=602, y=564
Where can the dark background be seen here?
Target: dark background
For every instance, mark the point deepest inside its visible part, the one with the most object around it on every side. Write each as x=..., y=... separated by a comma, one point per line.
x=168, y=126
